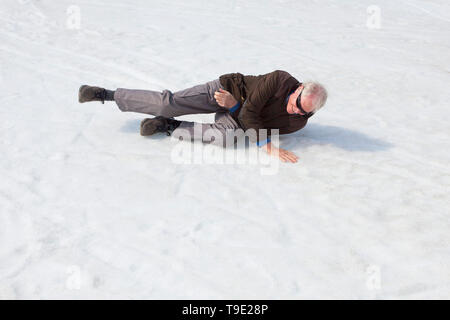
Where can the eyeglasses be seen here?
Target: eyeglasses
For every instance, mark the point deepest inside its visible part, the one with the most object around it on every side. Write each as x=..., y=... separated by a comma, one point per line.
x=299, y=106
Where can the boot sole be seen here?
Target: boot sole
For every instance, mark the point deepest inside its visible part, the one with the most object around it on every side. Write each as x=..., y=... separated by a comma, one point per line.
x=80, y=100
x=148, y=129
x=83, y=100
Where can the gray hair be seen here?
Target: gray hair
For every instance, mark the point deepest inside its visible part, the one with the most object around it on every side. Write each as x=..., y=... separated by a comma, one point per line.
x=317, y=92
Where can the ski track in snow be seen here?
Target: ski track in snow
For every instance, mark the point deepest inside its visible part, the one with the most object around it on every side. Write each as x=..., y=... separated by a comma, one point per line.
x=89, y=209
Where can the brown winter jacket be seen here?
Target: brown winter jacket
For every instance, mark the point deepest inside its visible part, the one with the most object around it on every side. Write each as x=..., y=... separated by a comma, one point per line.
x=263, y=101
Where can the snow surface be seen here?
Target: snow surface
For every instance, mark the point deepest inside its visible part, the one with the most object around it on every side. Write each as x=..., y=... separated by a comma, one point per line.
x=90, y=209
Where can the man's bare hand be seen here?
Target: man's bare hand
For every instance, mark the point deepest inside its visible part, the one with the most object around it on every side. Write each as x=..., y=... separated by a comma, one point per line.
x=284, y=155
x=225, y=99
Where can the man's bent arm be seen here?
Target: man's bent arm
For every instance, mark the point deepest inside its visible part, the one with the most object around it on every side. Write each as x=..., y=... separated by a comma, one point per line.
x=249, y=116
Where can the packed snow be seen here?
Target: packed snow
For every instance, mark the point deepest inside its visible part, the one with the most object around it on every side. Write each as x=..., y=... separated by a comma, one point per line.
x=90, y=209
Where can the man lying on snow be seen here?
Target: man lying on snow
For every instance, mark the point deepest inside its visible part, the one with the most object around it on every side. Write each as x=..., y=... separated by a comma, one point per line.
x=275, y=100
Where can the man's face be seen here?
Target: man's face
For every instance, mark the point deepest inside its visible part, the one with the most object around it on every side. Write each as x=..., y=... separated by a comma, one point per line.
x=306, y=102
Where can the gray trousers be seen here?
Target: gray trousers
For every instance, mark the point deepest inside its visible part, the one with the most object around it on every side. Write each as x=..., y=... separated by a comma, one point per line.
x=198, y=99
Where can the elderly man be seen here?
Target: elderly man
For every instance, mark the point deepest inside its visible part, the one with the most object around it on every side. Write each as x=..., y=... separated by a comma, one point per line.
x=275, y=100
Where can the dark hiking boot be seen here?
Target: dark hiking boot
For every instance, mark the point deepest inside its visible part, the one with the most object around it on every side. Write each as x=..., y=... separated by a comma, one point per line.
x=88, y=93
x=151, y=126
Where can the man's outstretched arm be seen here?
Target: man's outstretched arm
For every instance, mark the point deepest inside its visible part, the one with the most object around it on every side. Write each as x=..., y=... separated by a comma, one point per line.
x=284, y=155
